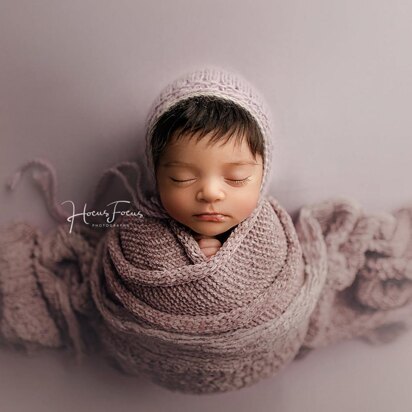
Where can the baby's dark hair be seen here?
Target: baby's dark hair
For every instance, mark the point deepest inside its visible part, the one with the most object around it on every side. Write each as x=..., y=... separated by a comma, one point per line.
x=200, y=115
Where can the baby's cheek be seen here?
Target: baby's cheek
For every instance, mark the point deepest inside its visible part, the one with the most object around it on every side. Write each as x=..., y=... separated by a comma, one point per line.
x=175, y=204
x=244, y=207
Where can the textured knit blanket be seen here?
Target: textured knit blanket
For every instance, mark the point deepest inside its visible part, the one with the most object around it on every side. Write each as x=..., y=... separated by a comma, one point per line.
x=274, y=291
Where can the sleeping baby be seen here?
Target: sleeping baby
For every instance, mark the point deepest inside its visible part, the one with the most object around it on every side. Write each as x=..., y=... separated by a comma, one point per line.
x=215, y=288
x=208, y=155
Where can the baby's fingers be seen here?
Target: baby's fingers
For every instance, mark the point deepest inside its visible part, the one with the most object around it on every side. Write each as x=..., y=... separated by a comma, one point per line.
x=210, y=251
x=209, y=242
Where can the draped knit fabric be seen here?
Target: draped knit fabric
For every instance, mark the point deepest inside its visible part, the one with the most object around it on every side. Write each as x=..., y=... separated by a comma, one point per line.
x=275, y=290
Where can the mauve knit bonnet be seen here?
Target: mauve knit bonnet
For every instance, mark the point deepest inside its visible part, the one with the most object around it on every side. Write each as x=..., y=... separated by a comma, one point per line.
x=213, y=81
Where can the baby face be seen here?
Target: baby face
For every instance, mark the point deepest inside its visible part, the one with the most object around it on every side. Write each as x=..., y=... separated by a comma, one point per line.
x=194, y=178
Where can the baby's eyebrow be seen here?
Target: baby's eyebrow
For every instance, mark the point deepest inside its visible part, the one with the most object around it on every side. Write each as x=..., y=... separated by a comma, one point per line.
x=237, y=163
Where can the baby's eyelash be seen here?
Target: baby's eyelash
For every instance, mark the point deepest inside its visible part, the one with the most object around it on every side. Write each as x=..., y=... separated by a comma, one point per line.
x=240, y=181
x=180, y=181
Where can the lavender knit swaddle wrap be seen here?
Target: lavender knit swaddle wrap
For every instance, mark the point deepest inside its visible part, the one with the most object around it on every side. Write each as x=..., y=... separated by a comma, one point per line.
x=198, y=325
x=271, y=293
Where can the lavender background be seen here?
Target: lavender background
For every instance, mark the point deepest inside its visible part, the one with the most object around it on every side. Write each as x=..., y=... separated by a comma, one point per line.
x=76, y=81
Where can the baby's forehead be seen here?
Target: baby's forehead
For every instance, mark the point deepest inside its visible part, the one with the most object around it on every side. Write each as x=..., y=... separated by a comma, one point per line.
x=218, y=153
x=204, y=159
x=209, y=149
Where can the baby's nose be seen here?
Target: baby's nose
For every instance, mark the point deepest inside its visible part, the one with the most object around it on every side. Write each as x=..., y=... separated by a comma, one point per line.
x=211, y=190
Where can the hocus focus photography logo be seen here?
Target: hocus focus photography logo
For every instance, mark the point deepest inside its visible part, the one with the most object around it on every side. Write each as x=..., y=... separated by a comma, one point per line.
x=110, y=216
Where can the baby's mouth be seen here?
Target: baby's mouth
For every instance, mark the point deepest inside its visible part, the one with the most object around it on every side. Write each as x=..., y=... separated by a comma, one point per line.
x=215, y=217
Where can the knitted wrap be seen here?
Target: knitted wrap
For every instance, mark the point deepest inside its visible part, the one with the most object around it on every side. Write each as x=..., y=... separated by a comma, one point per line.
x=157, y=306
x=198, y=325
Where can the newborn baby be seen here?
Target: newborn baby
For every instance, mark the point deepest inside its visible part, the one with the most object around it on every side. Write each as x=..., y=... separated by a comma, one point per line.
x=158, y=304
x=208, y=158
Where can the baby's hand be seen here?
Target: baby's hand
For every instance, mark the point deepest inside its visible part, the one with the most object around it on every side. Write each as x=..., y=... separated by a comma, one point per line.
x=208, y=244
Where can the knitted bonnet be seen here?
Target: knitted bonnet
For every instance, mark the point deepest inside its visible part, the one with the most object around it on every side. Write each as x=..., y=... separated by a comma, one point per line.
x=213, y=81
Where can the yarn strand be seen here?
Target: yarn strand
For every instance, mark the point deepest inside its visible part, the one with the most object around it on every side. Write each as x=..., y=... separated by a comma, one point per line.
x=47, y=183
